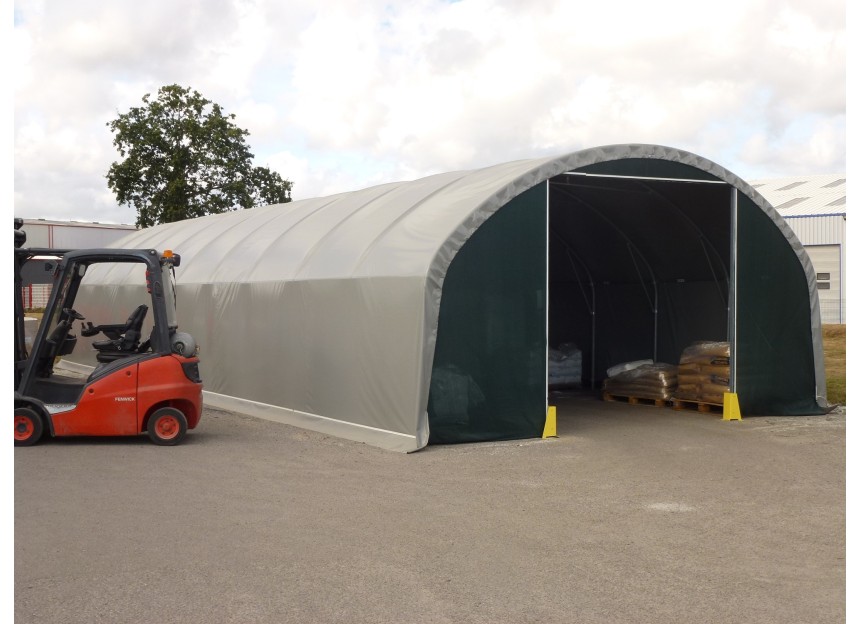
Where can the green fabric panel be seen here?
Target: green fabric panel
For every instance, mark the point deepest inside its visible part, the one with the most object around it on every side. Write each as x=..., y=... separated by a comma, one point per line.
x=489, y=368
x=774, y=359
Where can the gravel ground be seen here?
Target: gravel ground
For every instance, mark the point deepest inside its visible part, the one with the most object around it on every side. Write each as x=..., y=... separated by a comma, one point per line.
x=634, y=514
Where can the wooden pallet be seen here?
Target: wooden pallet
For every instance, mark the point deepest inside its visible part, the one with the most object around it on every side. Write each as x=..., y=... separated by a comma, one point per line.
x=635, y=400
x=700, y=406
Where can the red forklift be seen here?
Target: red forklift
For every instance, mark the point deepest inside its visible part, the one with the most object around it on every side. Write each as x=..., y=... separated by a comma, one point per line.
x=139, y=384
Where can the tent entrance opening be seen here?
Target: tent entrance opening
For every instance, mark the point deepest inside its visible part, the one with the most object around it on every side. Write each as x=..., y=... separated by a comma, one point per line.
x=639, y=268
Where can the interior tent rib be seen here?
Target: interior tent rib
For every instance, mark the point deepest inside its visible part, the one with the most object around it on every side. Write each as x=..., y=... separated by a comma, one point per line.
x=651, y=302
x=704, y=240
x=634, y=251
x=573, y=257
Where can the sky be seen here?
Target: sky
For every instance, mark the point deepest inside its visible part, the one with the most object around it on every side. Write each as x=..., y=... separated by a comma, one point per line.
x=339, y=95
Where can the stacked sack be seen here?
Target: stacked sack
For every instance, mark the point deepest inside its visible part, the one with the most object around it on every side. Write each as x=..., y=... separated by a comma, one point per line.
x=564, y=365
x=648, y=381
x=703, y=372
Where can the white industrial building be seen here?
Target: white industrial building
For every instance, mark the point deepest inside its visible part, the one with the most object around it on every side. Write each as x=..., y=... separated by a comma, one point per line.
x=73, y=234
x=814, y=207
x=49, y=234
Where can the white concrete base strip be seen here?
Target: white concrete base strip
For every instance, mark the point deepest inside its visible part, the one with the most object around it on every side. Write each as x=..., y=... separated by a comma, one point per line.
x=390, y=440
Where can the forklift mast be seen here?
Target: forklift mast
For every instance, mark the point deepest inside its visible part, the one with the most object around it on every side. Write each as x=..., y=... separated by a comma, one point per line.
x=22, y=256
x=20, y=345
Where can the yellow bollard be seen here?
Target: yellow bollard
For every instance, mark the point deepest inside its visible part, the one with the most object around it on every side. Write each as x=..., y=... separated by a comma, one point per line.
x=549, y=426
x=731, y=407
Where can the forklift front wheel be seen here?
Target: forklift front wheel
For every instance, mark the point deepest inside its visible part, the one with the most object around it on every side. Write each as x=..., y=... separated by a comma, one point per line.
x=28, y=427
x=167, y=426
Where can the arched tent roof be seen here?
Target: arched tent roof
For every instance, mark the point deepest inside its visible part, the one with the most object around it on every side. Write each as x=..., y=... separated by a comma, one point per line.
x=323, y=312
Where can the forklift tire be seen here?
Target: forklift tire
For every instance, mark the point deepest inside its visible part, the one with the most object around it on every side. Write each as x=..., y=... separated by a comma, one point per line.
x=28, y=427
x=167, y=426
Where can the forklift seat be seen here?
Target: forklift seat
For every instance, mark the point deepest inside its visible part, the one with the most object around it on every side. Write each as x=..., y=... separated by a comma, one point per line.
x=124, y=340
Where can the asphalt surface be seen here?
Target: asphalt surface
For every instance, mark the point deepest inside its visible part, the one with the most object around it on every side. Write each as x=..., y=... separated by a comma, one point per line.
x=634, y=514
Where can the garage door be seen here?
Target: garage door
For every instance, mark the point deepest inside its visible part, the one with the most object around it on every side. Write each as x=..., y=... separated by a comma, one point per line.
x=827, y=263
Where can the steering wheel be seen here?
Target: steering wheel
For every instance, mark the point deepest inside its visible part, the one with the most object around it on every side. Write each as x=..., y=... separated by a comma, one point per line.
x=73, y=315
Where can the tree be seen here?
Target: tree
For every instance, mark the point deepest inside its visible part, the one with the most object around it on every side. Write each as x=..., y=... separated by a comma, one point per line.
x=183, y=157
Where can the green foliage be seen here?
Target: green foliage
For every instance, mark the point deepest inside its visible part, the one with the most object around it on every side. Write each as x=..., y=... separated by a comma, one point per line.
x=183, y=157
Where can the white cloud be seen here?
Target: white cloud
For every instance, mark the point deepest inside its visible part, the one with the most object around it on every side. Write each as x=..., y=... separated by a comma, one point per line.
x=810, y=138
x=349, y=93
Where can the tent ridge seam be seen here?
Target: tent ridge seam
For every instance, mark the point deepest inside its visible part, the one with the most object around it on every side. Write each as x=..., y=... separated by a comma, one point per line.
x=370, y=246
x=227, y=255
x=305, y=217
x=309, y=255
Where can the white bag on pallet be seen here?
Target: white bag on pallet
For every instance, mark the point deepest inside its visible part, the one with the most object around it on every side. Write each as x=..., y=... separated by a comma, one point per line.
x=647, y=381
x=564, y=365
x=612, y=371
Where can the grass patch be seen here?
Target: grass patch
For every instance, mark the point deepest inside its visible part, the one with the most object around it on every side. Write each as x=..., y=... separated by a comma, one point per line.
x=834, y=362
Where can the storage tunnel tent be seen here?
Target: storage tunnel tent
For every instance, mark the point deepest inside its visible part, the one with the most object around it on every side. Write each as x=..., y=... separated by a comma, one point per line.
x=422, y=311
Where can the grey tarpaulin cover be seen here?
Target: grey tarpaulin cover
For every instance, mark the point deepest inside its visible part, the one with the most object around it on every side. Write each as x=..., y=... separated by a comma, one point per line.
x=323, y=312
